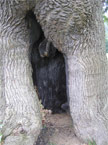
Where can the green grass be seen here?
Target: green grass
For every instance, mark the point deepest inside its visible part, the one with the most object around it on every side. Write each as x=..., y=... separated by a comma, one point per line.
x=50, y=143
x=91, y=143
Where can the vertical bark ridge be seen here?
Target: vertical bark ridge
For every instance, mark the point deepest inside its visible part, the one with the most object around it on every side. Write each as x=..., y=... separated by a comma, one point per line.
x=2, y=99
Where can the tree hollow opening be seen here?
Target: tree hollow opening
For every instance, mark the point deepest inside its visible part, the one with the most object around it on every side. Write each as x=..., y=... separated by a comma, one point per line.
x=48, y=65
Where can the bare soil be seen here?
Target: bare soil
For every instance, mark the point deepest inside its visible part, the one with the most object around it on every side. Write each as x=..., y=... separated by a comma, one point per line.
x=57, y=130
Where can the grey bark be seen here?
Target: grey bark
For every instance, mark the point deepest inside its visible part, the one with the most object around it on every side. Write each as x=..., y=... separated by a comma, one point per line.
x=76, y=29
x=20, y=115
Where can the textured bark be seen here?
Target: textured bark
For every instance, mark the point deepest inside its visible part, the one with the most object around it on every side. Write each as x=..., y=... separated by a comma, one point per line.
x=20, y=116
x=76, y=28
x=87, y=86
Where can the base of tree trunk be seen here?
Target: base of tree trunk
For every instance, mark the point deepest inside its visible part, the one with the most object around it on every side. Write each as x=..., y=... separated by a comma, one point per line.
x=87, y=89
x=22, y=119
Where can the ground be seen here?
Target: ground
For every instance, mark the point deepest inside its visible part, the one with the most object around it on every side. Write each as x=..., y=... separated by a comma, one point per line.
x=58, y=130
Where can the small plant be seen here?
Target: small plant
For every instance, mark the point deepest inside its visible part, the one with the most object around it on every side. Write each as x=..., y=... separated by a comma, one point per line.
x=42, y=112
x=91, y=143
x=51, y=143
x=0, y=137
x=1, y=125
x=44, y=126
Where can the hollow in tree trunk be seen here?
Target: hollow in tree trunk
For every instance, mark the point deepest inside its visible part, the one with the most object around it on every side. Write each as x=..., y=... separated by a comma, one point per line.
x=76, y=29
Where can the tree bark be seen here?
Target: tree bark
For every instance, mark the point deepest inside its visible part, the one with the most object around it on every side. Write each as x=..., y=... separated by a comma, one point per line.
x=21, y=123
x=87, y=86
x=76, y=29
x=21, y=119
x=2, y=100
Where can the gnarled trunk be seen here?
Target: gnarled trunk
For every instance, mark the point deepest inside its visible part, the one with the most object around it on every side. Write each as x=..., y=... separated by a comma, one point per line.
x=76, y=29
x=21, y=119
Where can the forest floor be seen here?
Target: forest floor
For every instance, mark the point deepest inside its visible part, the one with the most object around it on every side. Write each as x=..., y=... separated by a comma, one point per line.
x=57, y=130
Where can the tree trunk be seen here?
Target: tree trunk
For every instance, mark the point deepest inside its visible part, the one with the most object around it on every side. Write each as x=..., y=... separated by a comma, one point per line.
x=87, y=88
x=21, y=123
x=21, y=119
x=76, y=29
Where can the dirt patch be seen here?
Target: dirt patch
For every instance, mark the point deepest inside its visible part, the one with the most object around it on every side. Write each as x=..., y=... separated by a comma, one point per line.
x=58, y=130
